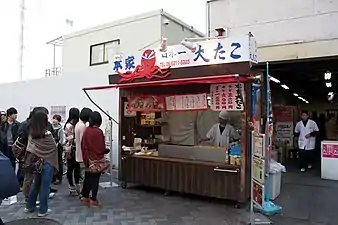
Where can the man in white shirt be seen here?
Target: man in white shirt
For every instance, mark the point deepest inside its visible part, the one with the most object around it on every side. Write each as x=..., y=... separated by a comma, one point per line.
x=306, y=130
x=222, y=134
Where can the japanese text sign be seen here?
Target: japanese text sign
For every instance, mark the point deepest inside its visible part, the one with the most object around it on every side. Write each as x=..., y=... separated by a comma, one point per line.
x=186, y=102
x=329, y=150
x=229, y=96
x=208, y=52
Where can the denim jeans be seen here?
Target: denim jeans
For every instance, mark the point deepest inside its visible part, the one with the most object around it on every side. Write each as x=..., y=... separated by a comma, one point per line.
x=41, y=187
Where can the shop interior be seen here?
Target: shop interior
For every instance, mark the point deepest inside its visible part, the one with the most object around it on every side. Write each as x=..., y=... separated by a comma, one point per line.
x=302, y=85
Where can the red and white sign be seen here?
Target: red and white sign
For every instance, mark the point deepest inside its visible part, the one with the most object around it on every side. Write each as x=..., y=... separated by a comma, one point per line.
x=186, y=102
x=330, y=150
x=227, y=96
x=152, y=63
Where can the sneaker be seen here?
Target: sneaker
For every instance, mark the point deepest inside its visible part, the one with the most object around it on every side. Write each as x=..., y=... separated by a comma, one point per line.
x=51, y=195
x=57, y=182
x=302, y=170
x=94, y=203
x=309, y=166
x=78, y=188
x=72, y=191
x=28, y=210
x=44, y=214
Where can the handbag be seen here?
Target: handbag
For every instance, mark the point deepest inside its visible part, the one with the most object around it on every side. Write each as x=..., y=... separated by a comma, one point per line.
x=19, y=148
x=9, y=183
x=98, y=166
x=33, y=163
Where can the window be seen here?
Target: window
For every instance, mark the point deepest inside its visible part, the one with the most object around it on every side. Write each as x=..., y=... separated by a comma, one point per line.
x=101, y=53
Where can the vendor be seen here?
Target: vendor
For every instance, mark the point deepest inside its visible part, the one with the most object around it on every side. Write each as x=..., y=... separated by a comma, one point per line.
x=222, y=134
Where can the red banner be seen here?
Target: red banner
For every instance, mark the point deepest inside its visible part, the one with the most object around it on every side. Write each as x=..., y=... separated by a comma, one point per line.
x=283, y=113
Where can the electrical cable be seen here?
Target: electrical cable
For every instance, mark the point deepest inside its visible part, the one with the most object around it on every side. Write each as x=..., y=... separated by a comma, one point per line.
x=92, y=101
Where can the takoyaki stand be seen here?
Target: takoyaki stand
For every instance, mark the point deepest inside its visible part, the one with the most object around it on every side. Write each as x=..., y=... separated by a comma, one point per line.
x=168, y=103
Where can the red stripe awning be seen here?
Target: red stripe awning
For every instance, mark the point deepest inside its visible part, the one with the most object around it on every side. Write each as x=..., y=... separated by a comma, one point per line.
x=183, y=81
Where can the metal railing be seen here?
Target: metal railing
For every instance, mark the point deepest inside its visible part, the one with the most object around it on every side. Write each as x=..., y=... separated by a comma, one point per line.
x=53, y=72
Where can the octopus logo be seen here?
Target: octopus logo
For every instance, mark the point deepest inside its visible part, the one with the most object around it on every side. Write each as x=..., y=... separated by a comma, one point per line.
x=148, y=69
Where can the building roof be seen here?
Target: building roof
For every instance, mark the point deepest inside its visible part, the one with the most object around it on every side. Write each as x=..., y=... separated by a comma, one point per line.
x=132, y=19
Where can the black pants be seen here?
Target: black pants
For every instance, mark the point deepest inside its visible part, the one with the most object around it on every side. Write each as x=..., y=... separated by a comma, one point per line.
x=59, y=175
x=91, y=184
x=73, y=170
x=1, y=223
x=306, y=158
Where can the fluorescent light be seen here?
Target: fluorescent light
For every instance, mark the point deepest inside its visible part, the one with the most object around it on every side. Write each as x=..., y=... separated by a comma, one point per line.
x=328, y=84
x=307, y=102
x=295, y=94
x=327, y=75
x=274, y=79
x=285, y=87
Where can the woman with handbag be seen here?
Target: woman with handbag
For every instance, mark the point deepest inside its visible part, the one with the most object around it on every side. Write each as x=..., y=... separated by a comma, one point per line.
x=93, y=151
x=41, y=159
x=74, y=169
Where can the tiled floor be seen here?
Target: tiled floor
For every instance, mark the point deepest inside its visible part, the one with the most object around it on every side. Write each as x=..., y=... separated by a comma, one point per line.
x=306, y=200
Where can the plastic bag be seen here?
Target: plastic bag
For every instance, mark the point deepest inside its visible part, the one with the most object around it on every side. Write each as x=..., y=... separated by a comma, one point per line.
x=276, y=167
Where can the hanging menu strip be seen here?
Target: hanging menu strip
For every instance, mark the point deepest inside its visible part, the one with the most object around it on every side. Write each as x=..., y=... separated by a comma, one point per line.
x=227, y=96
x=186, y=102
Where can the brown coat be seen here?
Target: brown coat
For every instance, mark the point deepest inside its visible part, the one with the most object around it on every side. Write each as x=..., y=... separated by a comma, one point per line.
x=43, y=148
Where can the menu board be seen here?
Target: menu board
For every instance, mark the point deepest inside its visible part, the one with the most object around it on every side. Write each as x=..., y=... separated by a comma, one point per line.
x=227, y=96
x=186, y=102
x=259, y=170
x=259, y=146
x=258, y=193
x=146, y=103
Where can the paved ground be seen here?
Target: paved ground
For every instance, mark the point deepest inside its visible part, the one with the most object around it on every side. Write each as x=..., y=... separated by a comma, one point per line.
x=306, y=200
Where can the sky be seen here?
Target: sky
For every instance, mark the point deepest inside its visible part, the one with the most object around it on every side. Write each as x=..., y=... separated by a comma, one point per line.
x=45, y=20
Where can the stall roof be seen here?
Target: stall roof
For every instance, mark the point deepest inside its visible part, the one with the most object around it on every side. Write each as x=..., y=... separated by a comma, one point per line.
x=196, y=80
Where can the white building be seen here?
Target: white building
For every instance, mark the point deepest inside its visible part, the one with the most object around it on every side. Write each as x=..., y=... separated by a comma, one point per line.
x=87, y=62
x=89, y=51
x=284, y=30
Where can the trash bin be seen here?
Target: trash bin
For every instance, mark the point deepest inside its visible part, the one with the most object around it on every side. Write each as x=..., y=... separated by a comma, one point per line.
x=275, y=184
x=34, y=221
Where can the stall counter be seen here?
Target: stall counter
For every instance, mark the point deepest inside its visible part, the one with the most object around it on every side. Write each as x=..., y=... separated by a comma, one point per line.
x=209, y=179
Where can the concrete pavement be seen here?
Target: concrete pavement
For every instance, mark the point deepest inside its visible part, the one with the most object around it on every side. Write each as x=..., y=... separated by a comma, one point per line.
x=306, y=200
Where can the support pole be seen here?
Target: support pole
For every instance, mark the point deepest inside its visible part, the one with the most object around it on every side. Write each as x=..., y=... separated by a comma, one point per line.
x=21, y=39
x=54, y=60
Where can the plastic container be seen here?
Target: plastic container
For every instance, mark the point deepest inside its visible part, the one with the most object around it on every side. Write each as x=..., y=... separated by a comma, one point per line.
x=275, y=184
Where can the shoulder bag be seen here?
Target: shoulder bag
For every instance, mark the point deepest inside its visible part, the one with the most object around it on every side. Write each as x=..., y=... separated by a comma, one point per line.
x=19, y=148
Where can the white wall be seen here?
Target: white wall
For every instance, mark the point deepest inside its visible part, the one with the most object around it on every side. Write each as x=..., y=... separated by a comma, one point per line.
x=61, y=91
x=176, y=32
x=275, y=21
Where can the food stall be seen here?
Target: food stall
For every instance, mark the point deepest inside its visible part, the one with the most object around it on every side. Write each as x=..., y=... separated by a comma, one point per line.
x=168, y=103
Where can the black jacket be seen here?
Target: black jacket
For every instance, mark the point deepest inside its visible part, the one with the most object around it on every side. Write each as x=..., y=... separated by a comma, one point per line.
x=3, y=139
x=15, y=129
x=23, y=130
